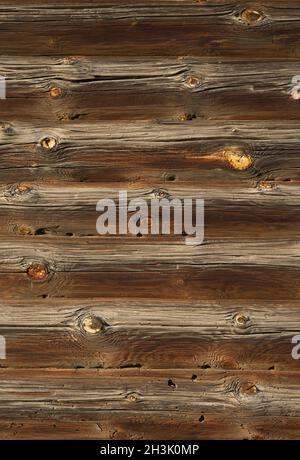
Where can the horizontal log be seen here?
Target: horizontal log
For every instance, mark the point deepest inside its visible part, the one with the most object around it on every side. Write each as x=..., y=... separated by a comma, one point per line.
x=156, y=425
x=122, y=333
x=216, y=30
x=139, y=155
x=69, y=395
x=239, y=282
x=227, y=220
x=85, y=89
x=55, y=196
x=80, y=255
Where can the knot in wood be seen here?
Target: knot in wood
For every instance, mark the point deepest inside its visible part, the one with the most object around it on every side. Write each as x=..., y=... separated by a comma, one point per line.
x=37, y=272
x=132, y=397
x=92, y=325
x=192, y=81
x=251, y=16
x=237, y=159
x=21, y=189
x=160, y=193
x=56, y=92
x=48, y=143
x=248, y=389
x=23, y=229
x=241, y=320
x=186, y=117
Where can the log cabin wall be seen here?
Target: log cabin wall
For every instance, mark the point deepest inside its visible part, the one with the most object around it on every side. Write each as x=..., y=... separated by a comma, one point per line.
x=130, y=337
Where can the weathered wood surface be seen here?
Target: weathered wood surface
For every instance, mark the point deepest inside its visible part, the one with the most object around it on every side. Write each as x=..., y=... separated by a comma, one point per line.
x=52, y=89
x=213, y=29
x=131, y=404
x=145, y=334
x=168, y=98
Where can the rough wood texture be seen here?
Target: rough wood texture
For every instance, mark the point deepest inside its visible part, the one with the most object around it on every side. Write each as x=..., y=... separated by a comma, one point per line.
x=52, y=89
x=143, y=337
x=170, y=403
x=212, y=29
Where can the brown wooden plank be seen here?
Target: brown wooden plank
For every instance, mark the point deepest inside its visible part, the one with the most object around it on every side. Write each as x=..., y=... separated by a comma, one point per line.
x=145, y=334
x=111, y=254
x=157, y=425
x=226, y=220
x=139, y=155
x=70, y=395
x=214, y=30
x=242, y=282
x=85, y=90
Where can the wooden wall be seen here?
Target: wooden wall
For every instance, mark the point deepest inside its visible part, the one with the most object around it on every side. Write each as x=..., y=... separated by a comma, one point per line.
x=124, y=337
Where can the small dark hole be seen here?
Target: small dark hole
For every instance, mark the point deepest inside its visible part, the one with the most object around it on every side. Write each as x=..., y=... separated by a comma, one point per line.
x=171, y=384
x=201, y=419
x=205, y=366
x=40, y=231
x=69, y=234
x=139, y=235
x=170, y=177
x=194, y=377
x=271, y=368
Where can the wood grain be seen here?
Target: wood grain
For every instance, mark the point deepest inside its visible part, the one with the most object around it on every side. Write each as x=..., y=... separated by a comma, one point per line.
x=146, y=334
x=84, y=89
x=142, y=337
x=251, y=399
x=214, y=30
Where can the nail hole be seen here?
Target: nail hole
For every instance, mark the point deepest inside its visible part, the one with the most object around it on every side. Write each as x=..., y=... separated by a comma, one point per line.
x=172, y=384
x=170, y=177
x=40, y=231
x=194, y=377
x=201, y=418
x=205, y=366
